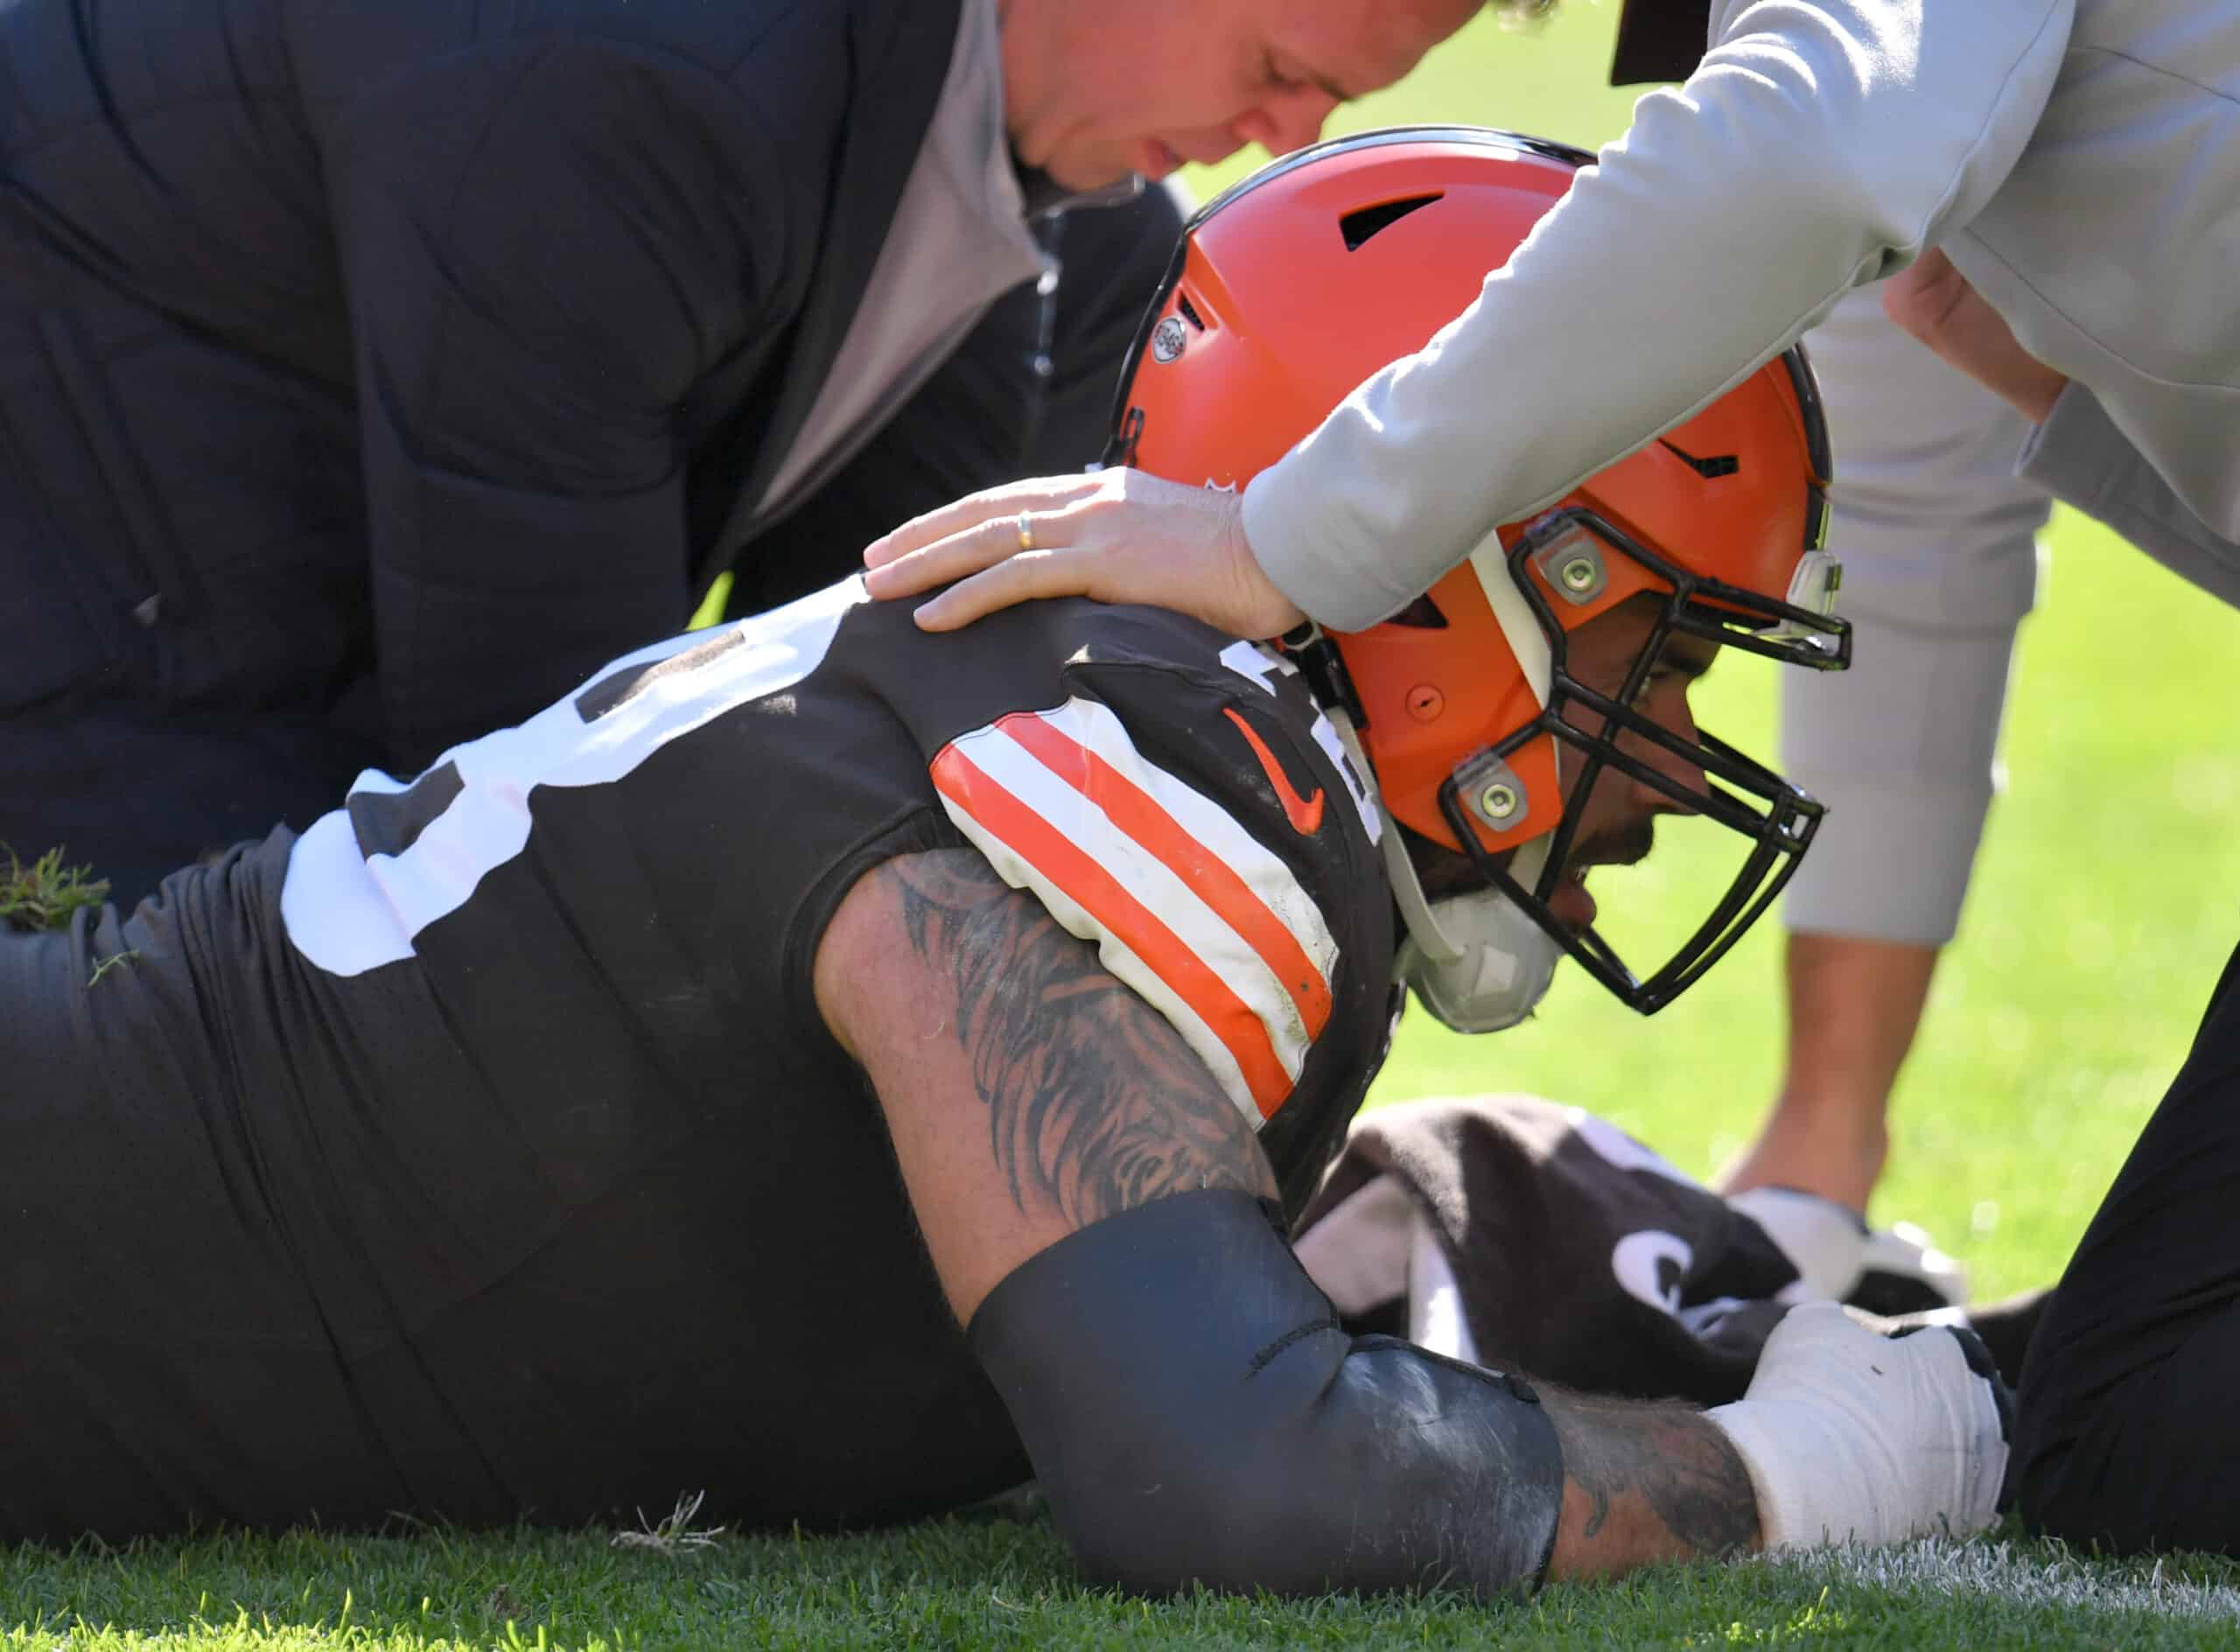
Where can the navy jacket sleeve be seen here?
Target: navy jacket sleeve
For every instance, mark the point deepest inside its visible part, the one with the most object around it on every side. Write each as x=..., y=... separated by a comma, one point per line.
x=545, y=242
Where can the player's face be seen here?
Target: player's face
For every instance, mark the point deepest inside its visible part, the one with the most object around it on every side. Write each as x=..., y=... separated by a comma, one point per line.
x=1095, y=91
x=1617, y=819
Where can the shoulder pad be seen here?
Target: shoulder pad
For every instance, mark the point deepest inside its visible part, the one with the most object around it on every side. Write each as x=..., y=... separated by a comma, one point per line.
x=1186, y=905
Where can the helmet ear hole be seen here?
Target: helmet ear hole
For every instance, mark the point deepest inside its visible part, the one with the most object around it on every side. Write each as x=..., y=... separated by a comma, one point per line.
x=1358, y=226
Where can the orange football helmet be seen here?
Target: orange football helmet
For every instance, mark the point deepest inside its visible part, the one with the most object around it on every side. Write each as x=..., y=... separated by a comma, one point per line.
x=1302, y=281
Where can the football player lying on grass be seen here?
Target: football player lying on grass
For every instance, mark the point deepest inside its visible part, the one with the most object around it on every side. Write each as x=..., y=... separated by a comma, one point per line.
x=850, y=1068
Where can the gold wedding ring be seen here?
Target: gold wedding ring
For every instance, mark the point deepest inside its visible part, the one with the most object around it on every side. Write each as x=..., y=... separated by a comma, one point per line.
x=1026, y=533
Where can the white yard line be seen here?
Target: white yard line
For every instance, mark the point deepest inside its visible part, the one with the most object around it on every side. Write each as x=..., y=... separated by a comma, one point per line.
x=2029, y=1575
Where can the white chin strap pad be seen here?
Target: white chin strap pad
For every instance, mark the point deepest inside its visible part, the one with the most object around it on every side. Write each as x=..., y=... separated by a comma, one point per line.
x=1494, y=963
x=1477, y=962
x=1502, y=966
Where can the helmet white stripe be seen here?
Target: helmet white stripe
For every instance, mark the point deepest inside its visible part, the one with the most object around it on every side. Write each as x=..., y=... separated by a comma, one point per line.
x=1514, y=614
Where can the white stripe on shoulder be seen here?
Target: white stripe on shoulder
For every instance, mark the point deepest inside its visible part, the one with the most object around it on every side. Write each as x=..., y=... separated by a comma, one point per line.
x=1015, y=869
x=1240, y=918
x=1143, y=875
x=1210, y=823
x=347, y=911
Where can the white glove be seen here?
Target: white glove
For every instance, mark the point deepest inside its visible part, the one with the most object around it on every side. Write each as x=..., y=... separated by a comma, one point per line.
x=1853, y=1437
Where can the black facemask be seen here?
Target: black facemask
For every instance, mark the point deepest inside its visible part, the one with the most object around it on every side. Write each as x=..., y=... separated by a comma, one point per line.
x=1777, y=819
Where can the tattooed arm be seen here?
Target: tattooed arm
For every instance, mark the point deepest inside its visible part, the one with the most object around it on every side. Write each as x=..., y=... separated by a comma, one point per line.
x=1645, y=1481
x=1030, y=1093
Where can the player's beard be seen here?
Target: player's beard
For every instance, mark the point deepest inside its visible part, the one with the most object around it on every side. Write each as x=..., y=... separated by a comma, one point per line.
x=1623, y=845
x=1443, y=872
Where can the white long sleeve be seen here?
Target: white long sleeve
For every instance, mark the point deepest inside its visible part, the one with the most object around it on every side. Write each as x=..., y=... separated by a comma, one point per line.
x=1821, y=144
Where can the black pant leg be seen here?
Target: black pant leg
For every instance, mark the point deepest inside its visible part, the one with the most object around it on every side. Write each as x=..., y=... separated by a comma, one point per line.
x=1029, y=393
x=2128, y=1434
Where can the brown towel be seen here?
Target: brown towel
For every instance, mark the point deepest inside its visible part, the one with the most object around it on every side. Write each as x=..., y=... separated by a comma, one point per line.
x=1576, y=1254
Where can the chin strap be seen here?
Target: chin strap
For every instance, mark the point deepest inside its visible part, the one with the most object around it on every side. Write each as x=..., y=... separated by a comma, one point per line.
x=1407, y=889
x=1489, y=968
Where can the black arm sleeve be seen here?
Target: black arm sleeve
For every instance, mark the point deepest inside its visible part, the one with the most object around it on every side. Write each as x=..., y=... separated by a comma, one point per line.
x=1195, y=1415
x=546, y=243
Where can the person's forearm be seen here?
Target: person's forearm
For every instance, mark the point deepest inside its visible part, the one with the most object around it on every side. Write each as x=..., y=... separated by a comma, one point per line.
x=1096, y=1209
x=1644, y=1483
x=1818, y=146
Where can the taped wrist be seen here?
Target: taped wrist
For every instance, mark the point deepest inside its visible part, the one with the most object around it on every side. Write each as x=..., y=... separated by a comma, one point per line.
x=1849, y=1437
x=1194, y=1414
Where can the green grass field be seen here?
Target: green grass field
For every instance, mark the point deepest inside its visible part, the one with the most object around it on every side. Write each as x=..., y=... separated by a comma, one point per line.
x=2101, y=913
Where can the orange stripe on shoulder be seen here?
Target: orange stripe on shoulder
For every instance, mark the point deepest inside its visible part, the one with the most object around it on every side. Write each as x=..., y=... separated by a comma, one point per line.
x=1210, y=878
x=1098, y=893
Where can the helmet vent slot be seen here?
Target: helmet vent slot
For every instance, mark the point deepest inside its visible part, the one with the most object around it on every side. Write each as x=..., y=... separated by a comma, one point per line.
x=1358, y=226
x=1189, y=314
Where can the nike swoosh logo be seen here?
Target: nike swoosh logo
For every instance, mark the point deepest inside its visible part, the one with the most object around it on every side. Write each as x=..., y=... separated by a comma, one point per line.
x=1303, y=812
